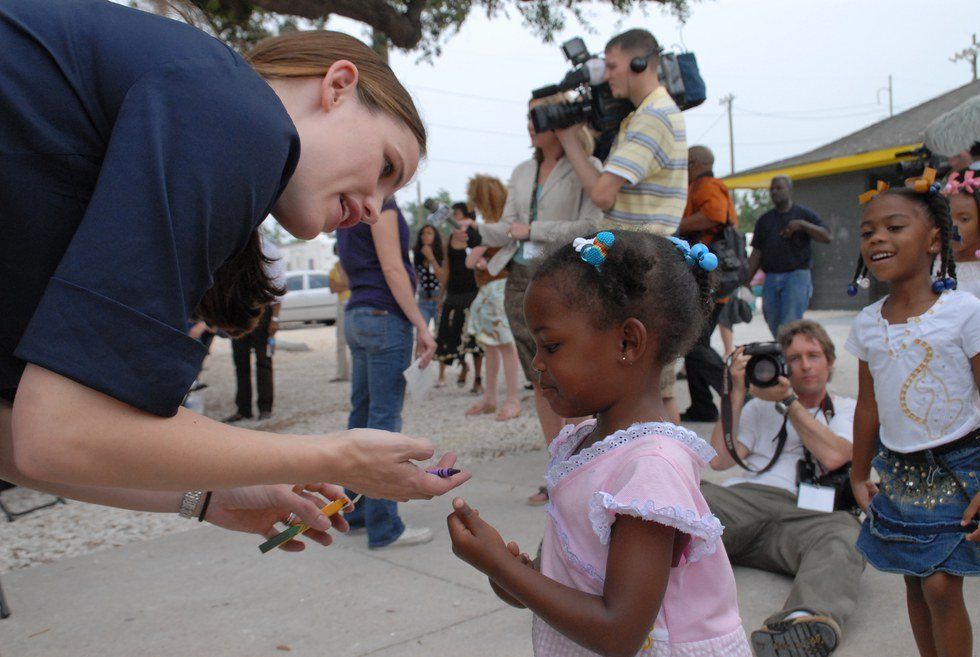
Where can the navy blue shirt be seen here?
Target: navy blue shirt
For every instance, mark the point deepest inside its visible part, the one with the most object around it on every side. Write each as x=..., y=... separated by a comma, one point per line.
x=137, y=154
x=359, y=258
x=781, y=254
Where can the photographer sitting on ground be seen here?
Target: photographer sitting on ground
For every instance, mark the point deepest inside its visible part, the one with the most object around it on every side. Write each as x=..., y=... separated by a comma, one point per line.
x=764, y=526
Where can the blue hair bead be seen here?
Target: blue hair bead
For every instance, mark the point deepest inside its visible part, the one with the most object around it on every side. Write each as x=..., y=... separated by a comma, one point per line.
x=939, y=286
x=709, y=261
x=950, y=283
x=698, y=250
x=606, y=238
x=852, y=290
x=593, y=256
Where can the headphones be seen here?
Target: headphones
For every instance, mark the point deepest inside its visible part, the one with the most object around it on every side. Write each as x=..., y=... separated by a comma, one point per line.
x=639, y=64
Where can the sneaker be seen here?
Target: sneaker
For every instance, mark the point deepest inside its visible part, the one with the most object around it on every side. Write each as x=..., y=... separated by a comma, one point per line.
x=540, y=498
x=411, y=536
x=806, y=635
x=265, y=415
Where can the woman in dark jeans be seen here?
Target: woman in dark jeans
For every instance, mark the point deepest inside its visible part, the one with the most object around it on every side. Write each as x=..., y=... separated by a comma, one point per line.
x=379, y=319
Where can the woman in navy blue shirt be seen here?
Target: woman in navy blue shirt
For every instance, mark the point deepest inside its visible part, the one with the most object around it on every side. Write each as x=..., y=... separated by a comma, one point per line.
x=137, y=158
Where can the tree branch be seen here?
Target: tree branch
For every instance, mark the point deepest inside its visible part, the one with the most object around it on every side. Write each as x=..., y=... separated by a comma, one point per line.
x=403, y=29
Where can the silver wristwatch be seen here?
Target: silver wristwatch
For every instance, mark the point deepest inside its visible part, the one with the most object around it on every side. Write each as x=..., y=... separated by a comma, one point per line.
x=782, y=407
x=188, y=503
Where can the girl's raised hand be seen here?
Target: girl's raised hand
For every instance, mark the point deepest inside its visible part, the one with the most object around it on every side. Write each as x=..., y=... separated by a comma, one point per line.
x=864, y=491
x=970, y=517
x=475, y=541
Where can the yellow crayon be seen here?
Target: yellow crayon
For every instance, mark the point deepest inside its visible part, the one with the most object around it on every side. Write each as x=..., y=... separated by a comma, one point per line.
x=328, y=510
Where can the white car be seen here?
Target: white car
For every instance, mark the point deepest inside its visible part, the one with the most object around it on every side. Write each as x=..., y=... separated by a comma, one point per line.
x=308, y=298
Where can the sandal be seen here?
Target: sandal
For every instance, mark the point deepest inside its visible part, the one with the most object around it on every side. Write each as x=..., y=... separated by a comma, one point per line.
x=481, y=408
x=461, y=380
x=540, y=498
x=477, y=388
x=509, y=411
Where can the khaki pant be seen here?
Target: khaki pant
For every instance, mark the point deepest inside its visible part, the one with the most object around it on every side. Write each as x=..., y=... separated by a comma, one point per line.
x=765, y=529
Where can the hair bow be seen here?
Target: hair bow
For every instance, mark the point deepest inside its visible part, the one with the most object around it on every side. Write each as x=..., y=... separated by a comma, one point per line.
x=926, y=183
x=696, y=255
x=968, y=185
x=593, y=251
x=872, y=193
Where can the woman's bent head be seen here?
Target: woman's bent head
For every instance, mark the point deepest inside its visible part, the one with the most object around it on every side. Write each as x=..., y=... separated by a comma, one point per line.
x=361, y=136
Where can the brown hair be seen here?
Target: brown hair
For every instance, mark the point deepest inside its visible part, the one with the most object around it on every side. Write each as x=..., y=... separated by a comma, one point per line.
x=312, y=53
x=242, y=287
x=486, y=195
x=810, y=329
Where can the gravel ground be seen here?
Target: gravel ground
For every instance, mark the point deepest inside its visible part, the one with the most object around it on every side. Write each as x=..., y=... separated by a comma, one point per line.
x=307, y=403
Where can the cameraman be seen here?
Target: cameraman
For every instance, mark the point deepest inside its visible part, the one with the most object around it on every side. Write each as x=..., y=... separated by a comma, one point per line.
x=764, y=527
x=643, y=185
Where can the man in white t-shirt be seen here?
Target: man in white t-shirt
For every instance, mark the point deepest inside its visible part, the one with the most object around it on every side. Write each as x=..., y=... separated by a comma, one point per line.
x=765, y=527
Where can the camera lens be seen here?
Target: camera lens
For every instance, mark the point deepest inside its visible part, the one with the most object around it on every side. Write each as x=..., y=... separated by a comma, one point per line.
x=763, y=371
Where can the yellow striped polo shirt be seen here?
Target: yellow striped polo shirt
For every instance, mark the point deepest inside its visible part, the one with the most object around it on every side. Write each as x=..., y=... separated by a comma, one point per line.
x=650, y=152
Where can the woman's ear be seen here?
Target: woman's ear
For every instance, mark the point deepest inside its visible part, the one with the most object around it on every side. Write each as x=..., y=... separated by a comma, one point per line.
x=634, y=341
x=339, y=84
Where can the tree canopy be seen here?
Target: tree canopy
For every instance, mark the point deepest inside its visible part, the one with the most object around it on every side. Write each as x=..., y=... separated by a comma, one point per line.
x=411, y=25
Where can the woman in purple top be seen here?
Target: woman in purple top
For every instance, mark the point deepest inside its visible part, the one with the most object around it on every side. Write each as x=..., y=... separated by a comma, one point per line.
x=378, y=323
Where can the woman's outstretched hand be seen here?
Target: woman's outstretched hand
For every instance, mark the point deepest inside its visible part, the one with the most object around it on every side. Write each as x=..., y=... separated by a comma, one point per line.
x=380, y=464
x=257, y=509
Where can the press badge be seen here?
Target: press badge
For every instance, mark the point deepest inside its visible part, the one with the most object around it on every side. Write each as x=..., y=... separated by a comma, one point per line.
x=816, y=498
x=530, y=250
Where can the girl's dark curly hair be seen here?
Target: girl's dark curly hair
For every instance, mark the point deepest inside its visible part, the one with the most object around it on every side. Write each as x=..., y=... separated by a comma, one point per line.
x=417, y=256
x=644, y=276
x=936, y=207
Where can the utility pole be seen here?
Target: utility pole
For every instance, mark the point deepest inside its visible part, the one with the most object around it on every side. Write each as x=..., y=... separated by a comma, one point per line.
x=969, y=55
x=889, y=90
x=727, y=100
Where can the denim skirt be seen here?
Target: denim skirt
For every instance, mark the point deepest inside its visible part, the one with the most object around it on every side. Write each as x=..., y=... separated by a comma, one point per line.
x=913, y=523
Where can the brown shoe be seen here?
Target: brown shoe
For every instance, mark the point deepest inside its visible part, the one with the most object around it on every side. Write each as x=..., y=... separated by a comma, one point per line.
x=540, y=498
x=811, y=635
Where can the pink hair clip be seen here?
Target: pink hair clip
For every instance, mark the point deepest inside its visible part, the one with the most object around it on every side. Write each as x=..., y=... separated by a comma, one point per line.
x=968, y=185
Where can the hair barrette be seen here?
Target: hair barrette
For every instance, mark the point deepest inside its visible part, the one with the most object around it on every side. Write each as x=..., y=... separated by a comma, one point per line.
x=594, y=251
x=871, y=194
x=968, y=185
x=696, y=255
x=925, y=184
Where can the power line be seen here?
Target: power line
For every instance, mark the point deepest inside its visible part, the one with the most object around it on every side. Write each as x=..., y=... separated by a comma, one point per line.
x=713, y=124
x=480, y=130
x=509, y=167
x=462, y=95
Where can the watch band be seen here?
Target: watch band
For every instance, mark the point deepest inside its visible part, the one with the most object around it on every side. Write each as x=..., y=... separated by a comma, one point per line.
x=188, y=503
x=782, y=406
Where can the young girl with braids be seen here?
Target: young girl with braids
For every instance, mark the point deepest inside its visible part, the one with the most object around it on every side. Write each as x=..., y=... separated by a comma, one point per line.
x=632, y=561
x=919, y=353
x=963, y=190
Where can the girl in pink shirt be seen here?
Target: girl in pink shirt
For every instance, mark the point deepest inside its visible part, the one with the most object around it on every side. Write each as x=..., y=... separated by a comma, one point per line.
x=632, y=561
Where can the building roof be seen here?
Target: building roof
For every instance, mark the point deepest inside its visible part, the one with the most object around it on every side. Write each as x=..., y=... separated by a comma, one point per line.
x=867, y=148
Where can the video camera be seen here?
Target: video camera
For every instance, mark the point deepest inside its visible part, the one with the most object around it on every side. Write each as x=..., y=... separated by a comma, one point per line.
x=766, y=364
x=923, y=158
x=440, y=213
x=595, y=103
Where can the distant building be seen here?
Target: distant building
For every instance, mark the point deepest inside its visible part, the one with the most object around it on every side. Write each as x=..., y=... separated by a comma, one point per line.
x=829, y=179
x=316, y=253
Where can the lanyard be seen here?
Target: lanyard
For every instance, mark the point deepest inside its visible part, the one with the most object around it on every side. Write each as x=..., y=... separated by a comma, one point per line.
x=535, y=189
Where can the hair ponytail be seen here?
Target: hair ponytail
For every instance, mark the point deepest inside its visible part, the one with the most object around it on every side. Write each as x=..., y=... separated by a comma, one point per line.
x=241, y=290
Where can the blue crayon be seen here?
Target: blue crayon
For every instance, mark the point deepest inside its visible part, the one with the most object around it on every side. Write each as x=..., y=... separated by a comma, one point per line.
x=445, y=473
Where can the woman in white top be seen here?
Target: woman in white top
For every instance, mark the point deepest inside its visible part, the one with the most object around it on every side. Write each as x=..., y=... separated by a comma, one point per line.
x=919, y=352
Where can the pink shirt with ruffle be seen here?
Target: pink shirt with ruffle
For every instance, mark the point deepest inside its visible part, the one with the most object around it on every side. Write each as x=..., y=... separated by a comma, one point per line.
x=650, y=471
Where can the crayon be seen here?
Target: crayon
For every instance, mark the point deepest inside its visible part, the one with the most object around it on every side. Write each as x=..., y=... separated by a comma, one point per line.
x=298, y=529
x=445, y=473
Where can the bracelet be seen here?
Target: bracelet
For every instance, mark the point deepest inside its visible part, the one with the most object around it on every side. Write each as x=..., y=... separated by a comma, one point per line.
x=204, y=507
x=189, y=502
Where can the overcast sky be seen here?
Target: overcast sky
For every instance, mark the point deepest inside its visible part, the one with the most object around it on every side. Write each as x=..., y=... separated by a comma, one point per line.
x=803, y=73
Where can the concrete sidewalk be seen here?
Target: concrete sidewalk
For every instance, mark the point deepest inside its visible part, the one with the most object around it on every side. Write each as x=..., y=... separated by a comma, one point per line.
x=210, y=593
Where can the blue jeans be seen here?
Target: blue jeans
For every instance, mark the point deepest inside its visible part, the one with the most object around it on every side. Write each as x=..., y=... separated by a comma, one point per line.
x=430, y=310
x=785, y=297
x=381, y=349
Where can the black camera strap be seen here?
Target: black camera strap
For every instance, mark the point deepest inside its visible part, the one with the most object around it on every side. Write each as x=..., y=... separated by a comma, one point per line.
x=726, y=425
x=827, y=407
x=535, y=191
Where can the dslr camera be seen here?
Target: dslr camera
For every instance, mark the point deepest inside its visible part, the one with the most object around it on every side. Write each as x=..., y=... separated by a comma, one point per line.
x=766, y=364
x=594, y=103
